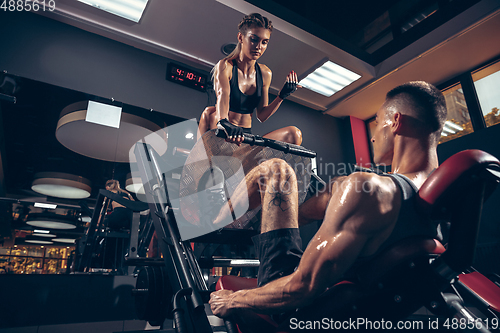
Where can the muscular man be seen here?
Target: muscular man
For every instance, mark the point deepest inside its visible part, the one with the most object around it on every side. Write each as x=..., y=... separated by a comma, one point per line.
x=361, y=214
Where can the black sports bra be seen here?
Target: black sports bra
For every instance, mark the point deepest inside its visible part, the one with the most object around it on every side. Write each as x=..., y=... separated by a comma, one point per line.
x=238, y=101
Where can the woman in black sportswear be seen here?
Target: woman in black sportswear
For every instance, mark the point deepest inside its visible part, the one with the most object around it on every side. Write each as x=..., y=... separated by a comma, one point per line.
x=120, y=217
x=242, y=87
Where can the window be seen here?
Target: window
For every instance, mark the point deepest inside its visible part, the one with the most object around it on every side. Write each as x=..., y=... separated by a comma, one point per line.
x=458, y=122
x=33, y=260
x=487, y=84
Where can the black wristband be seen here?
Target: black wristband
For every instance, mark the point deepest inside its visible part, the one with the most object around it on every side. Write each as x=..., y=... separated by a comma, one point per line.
x=230, y=129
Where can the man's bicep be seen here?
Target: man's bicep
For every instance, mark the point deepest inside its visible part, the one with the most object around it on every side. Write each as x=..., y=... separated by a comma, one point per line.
x=352, y=219
x=328, y=256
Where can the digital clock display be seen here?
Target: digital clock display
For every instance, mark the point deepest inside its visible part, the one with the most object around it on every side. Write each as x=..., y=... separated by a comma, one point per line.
x=186, y=77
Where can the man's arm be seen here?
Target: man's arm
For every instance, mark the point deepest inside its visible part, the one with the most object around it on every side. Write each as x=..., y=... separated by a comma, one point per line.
x=314, y=208
x=360, y=216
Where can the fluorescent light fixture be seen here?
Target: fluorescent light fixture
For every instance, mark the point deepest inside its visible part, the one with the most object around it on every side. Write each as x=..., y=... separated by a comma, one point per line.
x=37, y=241
x=45, y=205
x=448, y=130
x=328, y=79
x=103, y=114
x=451, y=128
x=244, y=262
x=86, y=219
x=129, y=9
x=42, y=233
x=64, y=240
x=452, y=125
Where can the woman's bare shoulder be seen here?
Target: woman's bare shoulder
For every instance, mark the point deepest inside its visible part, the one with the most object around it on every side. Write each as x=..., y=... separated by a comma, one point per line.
x=267, y=74
x=224, y=68
x=264, y=69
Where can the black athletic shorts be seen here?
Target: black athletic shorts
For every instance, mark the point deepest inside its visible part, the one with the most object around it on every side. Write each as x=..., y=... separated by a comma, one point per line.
x=120, y=218
x=279, y=252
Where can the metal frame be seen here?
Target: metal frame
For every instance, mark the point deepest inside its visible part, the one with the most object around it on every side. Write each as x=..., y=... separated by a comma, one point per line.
x=185, y=277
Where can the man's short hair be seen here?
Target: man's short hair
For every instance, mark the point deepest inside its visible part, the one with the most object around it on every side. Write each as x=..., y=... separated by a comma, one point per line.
x=426, y=103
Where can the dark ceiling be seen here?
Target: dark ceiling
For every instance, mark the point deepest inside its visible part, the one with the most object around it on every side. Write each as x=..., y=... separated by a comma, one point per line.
x=370, y=30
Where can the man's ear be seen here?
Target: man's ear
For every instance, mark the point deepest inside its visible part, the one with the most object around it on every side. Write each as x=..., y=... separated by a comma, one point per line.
x=397, y=122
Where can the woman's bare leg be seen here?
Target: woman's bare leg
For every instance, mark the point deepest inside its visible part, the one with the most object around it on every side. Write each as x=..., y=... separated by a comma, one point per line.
x=208, y=121
x=290, y=134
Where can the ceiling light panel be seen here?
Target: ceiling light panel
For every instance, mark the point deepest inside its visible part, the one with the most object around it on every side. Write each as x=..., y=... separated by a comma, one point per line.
x=129, y=9
x=451, y=128
x=328, y=79
x=37, y=241
x=45, y=205
x=37, y=233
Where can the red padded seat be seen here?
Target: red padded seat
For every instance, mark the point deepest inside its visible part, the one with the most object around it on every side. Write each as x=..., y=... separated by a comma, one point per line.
x=483, y=288
x=444, y=177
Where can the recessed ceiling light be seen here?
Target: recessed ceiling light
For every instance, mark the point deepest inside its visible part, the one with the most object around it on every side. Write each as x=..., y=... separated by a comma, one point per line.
x=108, y=143
x=50, y=221
x=61, y=185
x=51, y=224
x=134, y=184
x=129, y=9
x=328, y=79
x=189, y=135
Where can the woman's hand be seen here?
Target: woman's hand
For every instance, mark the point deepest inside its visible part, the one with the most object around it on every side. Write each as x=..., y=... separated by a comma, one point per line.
x=234, y=134
x=290, y=85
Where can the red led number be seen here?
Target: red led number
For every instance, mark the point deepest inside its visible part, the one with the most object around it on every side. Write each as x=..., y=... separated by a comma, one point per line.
x=186, y=77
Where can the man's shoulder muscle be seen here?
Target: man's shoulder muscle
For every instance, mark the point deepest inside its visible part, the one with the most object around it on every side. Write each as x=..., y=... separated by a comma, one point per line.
x=376, y=199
